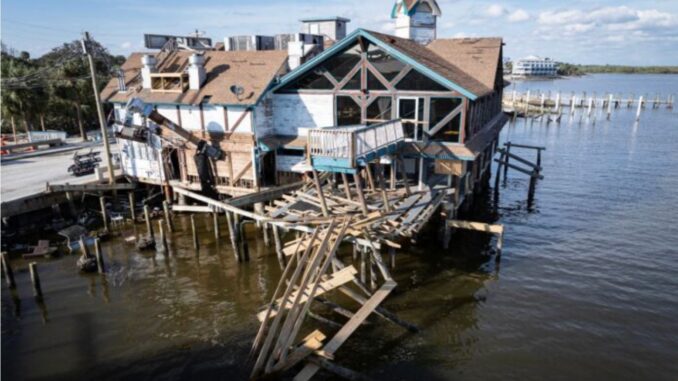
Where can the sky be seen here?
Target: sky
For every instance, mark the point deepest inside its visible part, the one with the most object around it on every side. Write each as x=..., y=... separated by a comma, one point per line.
x=640, y=32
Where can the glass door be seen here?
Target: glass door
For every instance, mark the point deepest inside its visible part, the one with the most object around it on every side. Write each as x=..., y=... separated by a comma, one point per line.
x=411, y=113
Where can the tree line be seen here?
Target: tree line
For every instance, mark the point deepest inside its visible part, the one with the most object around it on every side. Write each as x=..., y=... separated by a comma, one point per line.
x=567, y=69
x=54, y=91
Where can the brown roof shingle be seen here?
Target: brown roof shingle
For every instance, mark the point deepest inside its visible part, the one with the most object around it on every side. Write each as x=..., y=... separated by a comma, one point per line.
x=479, y=57
x=437, y=63
x=253, y=70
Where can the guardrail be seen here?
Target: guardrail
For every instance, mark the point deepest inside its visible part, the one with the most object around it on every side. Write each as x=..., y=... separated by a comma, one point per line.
x=355, y=142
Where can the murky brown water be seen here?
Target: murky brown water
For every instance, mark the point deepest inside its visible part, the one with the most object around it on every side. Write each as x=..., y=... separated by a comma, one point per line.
x=586, y=289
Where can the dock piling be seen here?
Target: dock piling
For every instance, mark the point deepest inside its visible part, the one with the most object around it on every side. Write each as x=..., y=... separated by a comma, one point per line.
x=99, y=256
x=104, y=213
x=7, y=271
x=217, y=231
x=168, y=216
x=196, y=243
x=234, y=239
x=149, y=227
x=278, y=246
x=640, y=108
x=35, y=280
x=163, y=237
x=132, y=206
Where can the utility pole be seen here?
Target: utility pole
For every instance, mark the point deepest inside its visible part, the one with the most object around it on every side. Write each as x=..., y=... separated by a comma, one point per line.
x=100, y=112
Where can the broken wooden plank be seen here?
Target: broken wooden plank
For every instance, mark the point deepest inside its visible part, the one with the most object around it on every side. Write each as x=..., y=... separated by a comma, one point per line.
x=345, y=332
x=477, y=226
x=336, y=280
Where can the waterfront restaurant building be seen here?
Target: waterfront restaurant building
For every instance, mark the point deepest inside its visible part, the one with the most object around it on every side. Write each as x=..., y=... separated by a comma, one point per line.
x=534, y=66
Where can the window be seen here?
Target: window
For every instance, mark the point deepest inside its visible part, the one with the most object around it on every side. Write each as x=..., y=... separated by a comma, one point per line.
x=440, y=108
x=373, y=82
x=415, y=81
x=450, y=131
x=342, y=64
x=379, y=110
x=388, y=66
x=348, y=111
x=313, y=80
x=353, y=83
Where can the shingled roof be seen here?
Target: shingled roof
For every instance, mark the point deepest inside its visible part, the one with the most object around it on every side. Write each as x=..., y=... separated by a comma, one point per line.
x=440, y=64
x=479, y=57
x=252, y=70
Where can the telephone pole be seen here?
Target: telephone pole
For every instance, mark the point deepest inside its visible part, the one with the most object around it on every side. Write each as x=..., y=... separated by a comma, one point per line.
x=100, y=112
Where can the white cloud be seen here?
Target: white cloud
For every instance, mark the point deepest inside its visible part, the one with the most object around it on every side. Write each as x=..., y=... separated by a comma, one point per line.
x=519, y=15
x=495, y=10
x=126, y=45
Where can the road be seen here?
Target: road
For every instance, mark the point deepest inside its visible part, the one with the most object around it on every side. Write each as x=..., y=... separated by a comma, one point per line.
x=27, y=176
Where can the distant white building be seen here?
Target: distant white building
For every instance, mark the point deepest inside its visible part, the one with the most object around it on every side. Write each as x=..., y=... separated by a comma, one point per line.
x=534, y=66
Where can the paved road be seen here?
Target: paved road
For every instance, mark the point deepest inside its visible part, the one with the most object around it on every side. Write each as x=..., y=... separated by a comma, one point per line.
x=27, y=176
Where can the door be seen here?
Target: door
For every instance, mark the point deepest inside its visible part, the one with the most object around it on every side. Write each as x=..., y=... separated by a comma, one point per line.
x=411, y=113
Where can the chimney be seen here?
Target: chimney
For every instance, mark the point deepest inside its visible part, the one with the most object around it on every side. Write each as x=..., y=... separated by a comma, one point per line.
x=196, y=71
x=295, y=51
x=148, y=66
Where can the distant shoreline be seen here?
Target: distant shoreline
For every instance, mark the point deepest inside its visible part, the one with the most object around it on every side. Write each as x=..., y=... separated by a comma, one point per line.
x=569, y=70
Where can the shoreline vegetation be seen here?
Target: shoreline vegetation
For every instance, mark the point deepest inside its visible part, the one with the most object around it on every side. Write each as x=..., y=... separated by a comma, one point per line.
x=571, y=70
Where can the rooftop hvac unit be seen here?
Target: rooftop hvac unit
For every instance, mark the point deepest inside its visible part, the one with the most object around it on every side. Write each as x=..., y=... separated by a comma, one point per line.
x=249, y=43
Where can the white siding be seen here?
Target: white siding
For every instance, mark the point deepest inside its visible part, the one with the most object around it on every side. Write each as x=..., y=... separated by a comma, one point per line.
x=234, y=114
x=169, y=112
x=295, y=114
x=190, y=118
x=214, y=118
x=141, y=160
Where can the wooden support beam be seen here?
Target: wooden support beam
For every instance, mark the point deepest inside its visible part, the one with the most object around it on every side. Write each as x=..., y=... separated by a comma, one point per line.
x=518, y=158
x=519, y=169
x=347, y=186
x=192, y=209
x=361, y=195
x=319, y=189
x=340, y=337
x=51, y=188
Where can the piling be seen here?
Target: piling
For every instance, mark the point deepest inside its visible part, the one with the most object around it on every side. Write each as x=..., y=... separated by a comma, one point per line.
x=527, y=103
x=7, y=271
x=168, y=216
x=373, y=271
x=104, y=214
x=99, y=256
x=508, y=150
x=163, y=238
x=132, y=207
x=196, y=243
x=35, y=280
x=243, y=241
x=609, y=107
x=557, y=103
x=363, y=265
x=231, y=233
x=149, y=227
x=640, y=108
x=217, y=232
x=83, y=248
x=392, y=256
x=278, y=246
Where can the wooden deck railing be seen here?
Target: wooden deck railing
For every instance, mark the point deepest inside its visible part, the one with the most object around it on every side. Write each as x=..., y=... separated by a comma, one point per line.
x=353, y=143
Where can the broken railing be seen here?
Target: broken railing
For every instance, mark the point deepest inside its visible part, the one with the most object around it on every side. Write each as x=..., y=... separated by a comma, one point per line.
x=355, y=144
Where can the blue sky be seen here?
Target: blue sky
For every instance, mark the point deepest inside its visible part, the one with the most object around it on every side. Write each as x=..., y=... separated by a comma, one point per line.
x=594, y=31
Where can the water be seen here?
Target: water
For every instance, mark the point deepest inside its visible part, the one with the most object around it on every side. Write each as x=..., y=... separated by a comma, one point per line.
x=587, y=287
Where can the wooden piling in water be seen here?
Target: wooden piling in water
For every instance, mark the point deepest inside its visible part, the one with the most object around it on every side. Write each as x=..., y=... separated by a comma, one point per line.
x=278, y=246
x=163, y=238
x=196, y=242
x=321, y=195
x=243, y=241
x=168, y=216
x=363, y=265
x=99, y=256
x=232, y=235
x=640, y=108
x=149, y=227
x=104, y=213
x=35, y=280
x=609, y=107
x=217, y=231
x=7, y=271
x=508, y=151
x=132, y=206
